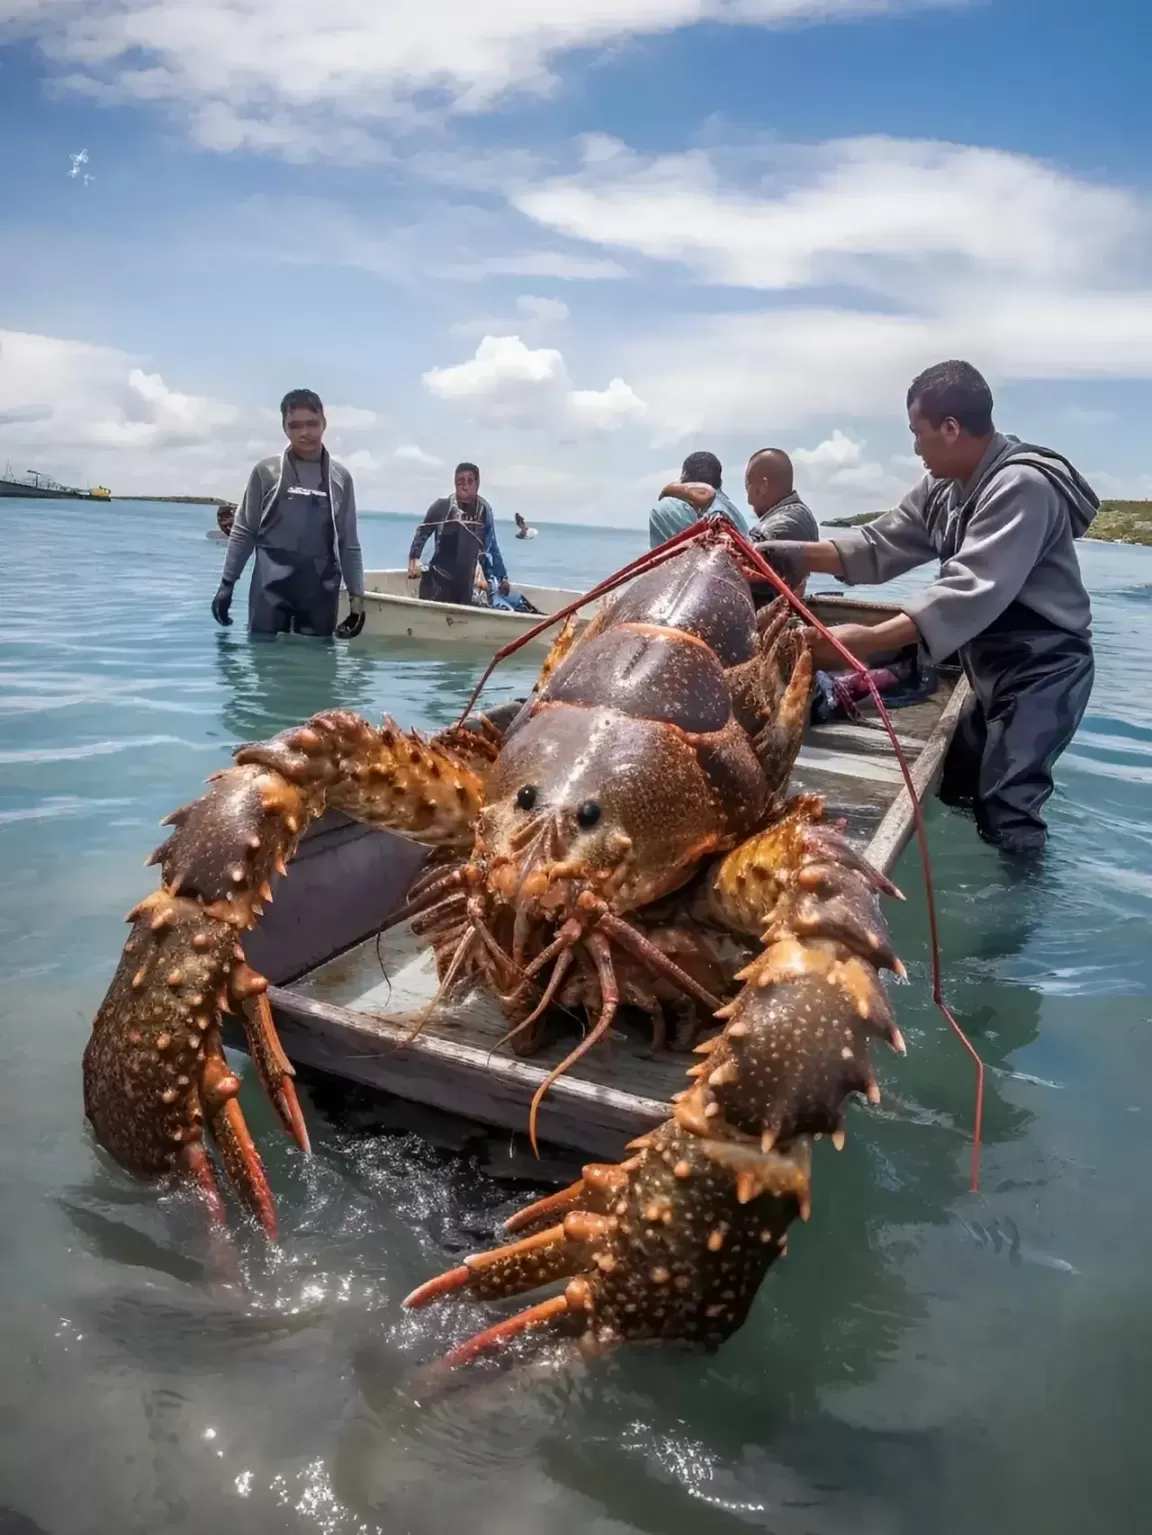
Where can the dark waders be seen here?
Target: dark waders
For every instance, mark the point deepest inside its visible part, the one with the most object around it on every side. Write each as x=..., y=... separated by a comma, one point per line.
x=296, y=579
x=1031, y=682
x=451, y=572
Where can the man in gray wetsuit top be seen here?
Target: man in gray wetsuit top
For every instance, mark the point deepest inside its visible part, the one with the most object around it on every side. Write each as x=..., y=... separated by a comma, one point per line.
x=1002, y=517
x=298, y=515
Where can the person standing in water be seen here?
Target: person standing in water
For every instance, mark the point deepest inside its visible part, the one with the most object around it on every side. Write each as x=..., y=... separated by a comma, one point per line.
x=298, y=515
x=465, y=532
x=1002, y=517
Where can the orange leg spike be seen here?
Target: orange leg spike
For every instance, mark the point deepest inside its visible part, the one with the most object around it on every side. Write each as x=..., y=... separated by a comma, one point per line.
x=275, y=1070
x=543, y=1315
x=547, y=1208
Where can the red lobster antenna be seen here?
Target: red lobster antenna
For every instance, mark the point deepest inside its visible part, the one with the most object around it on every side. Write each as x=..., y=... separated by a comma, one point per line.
x=709, y=533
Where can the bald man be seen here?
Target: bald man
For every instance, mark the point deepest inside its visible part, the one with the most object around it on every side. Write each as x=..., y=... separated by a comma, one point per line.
x=780, y=513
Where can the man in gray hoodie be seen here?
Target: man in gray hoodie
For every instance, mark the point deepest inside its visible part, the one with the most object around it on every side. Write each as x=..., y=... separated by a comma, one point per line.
x=1002, y=517
x=298, y=515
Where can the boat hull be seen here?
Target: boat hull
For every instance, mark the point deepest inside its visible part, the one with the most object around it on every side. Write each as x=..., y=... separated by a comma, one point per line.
x=392, y=610
x=14, y=490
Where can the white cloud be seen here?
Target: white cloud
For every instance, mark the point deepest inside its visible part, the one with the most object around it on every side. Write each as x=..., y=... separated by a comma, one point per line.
x=834, y=454
x=350, y=418
x=284, y=76
x=549, y=311
x=837, y=475
x=557, y=264
x=936, y=249
x=1121, y=487
x=510, y=384
x=94, y=415
x=505, y=380
x=87, y=407
x=535, y=318
x=409, y=453
x=362, y=462
x=864, y=212
x=605, y=410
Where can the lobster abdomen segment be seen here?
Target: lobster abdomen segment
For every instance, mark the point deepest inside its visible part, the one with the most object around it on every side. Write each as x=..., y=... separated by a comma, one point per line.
x=702, y=595
x=649, y=673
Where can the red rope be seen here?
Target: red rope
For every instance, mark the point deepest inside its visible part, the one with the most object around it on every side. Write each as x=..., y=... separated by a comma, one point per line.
x=638, y=566
x=711, y=533
x=762, y=568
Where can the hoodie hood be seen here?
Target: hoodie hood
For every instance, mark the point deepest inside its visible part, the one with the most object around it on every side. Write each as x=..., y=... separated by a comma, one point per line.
x=1082, y=501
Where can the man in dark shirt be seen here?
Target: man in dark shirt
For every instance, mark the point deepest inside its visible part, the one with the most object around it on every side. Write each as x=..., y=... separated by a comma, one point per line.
x=780, y=513
x=465, y=536
x=298, y=515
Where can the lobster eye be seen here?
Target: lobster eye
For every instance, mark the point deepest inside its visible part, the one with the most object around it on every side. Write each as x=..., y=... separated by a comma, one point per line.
x=526, y=797
x=588, y=814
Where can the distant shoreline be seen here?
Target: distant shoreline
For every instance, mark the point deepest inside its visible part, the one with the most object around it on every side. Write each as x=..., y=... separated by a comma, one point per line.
x=1117, y=522
x=183, y=500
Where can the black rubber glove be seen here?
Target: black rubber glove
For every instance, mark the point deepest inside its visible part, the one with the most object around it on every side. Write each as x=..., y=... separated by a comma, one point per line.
x=221, y=603
x=353, y=624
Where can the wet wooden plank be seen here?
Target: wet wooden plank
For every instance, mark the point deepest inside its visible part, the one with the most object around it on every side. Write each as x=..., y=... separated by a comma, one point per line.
x=348, y=1020
x=897, y=826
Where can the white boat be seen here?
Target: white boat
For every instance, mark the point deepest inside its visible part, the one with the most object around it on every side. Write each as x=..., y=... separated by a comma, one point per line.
x=392, y=610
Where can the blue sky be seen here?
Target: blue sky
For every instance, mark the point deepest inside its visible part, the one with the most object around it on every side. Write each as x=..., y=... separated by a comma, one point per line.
x=574, y=248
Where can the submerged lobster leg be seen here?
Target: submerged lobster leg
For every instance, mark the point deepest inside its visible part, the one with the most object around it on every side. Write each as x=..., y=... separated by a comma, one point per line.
x=154, y=1067
x=674, y=1242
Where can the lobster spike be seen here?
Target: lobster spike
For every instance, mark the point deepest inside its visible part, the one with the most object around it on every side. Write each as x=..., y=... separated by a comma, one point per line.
x=513, y=1269
x=275, y=1071
x=544, y=1315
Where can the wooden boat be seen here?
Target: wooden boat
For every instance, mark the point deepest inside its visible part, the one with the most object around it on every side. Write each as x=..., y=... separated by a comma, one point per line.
x=392, y=610
x=345, y=1004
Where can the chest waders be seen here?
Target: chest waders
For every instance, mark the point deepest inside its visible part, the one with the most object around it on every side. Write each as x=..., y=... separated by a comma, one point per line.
x=1031, y=681
x=296, y=577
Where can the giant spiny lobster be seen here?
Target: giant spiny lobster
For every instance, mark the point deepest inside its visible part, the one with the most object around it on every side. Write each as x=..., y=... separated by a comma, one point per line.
x=624, y=838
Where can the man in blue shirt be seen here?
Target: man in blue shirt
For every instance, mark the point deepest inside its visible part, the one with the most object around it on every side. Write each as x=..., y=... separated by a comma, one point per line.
x=675, y=511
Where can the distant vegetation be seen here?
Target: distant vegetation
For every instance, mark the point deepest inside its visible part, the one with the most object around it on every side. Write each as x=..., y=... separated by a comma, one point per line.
x=1123, y=522
x=183, y=500
x=1117, y=522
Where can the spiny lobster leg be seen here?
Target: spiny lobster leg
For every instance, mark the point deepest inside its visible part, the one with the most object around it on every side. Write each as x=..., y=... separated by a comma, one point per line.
x=796, y=1040
x=674, y=1242
x=154, y=1068
x=662, y=1246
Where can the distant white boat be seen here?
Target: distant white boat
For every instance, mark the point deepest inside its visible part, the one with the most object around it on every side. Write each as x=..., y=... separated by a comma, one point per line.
x=392, y=610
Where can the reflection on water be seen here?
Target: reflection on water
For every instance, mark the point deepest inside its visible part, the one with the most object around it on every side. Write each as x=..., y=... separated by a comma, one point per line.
x=925, y=1358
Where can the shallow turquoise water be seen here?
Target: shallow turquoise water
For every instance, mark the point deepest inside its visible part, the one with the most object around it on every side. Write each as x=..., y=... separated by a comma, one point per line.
x=926, y=1359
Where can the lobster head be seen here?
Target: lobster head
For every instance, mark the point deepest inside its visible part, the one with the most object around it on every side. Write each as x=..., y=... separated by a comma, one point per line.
x=588, y=805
